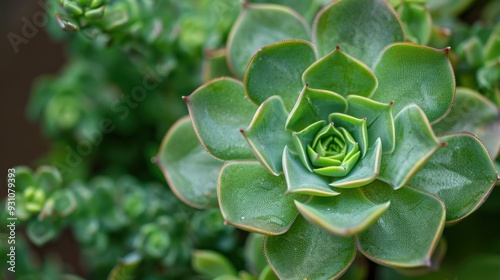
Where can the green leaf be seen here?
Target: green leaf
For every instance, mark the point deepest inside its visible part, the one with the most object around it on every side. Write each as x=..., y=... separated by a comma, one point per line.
x=408, y=232
x=252, y=199
x=219, y=110
x=415, y=144
x=189, y=170
x=48, y=178
x=215, y=65
x=489, y=75
x=365, y=171
x=267, y=135
x=253, y=252
x=258, y=26
x=362, y=28
x=24, y=178
x=277, y=70
x=305, y=8
x=475, y=114
x=126, y=268
x=41, y=232
x=413, y=74
x=417, y=22
x=341, y=73
x=267, y=274
x=301, y=180
x=307, y=251
x=314, y=105
x=303, y=139
x=461, y=174
x=211, y=264
x=379, y=120
x=345, y=215
x=356, y=127
x=491, y=50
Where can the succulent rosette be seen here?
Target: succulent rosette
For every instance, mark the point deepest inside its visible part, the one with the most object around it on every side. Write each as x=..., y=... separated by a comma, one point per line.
x=329, y=150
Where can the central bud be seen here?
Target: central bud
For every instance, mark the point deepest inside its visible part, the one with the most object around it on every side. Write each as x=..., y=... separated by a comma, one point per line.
x=333, y=152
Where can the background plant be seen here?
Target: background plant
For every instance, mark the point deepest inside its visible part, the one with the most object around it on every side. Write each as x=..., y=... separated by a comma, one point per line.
x=114, y=52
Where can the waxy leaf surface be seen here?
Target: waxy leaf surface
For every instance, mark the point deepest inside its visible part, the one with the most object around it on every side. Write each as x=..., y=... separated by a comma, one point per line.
x=219, y=109
x=253, y=199
x=190, y=171
x=307, y=251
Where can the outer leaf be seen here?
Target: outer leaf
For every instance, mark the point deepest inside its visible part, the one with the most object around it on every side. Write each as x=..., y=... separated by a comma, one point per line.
x=407, y=234
x=314, y=105
x=302, y=7
x=211, y=264
x=360, y=27
x=341, y=73
x=267, y=135
x=379, y=120
x=461, y=174
x=473, y=113
x=415, y=144
x=307, y=251
x=344, y=215
x=215, y=65
x=365, y=171
x=190, y=171
x=409, y=74
x=252, y=199
x=277, y=70
x=253, y=252
x=258, y=26
x=219, y=110
x=301, y=180
x=417, y=22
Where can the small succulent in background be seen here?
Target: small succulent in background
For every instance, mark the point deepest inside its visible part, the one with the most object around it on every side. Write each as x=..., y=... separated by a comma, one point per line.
x=342, y=136
x=480, y=67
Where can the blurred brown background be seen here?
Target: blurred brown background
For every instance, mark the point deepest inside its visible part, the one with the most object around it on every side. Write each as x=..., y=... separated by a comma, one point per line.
x=21, y=140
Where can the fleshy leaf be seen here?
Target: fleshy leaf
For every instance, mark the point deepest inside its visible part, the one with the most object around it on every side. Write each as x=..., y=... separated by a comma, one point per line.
x=475, y=114
x=258, y=26
x=277, y=70
x=379, y=120
x=211, y=264
x=408, y=232
x=345, y=215
x=305, y=8
x=461, y=174
x=356, y=127
x=253, y=252
x=415, y=144
x=307, y=251
x=417, y=22
x=341, y=73
x=190, y=171
x=301, y=180
x=413, y=74
x=267, y=135
x=215, y=65
x=252, y=199
x=365, y=171
x=362, y=28
x=303, y=139
x=219, y=109
x=314, y=105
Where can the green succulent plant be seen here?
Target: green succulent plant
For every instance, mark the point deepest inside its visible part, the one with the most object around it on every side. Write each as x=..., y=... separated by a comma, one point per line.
x=329, y=150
